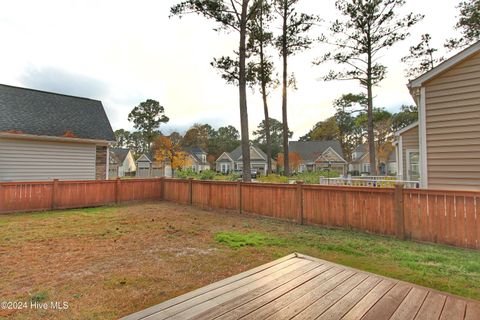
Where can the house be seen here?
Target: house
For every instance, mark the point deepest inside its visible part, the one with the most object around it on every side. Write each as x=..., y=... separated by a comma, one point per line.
x=232, y=161
x=360, y=163
x=149, y=167
x=198, y=159
x=319, y=155
x=443, y=148
x=46, y=135
x=124, y=161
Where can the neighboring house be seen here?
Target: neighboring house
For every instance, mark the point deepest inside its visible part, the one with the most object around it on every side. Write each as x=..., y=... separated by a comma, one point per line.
x=319, y=155
x=408, y=150
x=124, y=161
x=45, y=136
x=232, y=161
x=360, y=163
x=448, y=99
x=148, y=167
x=198, y=159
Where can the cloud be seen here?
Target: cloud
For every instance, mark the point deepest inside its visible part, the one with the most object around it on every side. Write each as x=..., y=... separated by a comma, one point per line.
x=65, y=82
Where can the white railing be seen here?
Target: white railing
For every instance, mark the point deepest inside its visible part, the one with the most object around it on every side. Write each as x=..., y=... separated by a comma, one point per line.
x=368, y=182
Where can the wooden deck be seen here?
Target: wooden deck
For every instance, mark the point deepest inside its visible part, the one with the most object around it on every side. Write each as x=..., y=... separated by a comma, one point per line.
x=303, y=287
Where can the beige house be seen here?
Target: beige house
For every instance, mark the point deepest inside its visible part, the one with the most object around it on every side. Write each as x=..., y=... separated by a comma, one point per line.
x=122, y=162
x=319, y=155
x=45, y=136
x=360, y=164
x=233, y=161
x=444, y=148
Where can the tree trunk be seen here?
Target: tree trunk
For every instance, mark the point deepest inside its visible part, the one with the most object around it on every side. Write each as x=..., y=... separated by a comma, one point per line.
x=242, y=86
x=370, y=131
x=286, y=162
x=264, y=97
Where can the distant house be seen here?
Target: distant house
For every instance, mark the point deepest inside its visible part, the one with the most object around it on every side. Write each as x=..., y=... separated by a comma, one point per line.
x=444, y=147
x=232, y=161
x=124, y=161
x=198, y=159
x=360, y=163
x=319, y=155
x=149, y=167
x=45, y=136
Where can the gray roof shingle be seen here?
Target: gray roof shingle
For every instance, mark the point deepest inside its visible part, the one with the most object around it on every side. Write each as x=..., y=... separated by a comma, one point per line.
x=120, y=154
x=44, y=113
x=311, y=150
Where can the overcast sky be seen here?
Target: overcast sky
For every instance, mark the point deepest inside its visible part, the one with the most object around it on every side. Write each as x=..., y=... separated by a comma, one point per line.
x=124, y=52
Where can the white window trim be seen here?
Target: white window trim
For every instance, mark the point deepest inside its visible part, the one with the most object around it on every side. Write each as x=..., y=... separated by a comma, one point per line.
x=407, y=154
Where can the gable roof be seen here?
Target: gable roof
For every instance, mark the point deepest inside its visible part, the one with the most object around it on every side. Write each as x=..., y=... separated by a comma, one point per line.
x=361, y=148
x=410, y=126
x=120, y=154
x=29, y=111
x=194, y=150
x=311, y=150
x=445, y=65
x=236, y=154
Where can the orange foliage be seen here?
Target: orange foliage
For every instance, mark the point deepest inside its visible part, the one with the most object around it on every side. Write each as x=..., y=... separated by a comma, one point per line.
x=294, y=159
x=167, y=150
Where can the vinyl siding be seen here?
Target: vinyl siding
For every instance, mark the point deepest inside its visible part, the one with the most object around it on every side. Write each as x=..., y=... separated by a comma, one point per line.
x=409, y=141
x=27, y=160
x=453, y=127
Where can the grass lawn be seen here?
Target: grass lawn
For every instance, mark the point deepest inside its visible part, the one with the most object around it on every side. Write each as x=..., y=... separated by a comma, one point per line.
x=111, y=261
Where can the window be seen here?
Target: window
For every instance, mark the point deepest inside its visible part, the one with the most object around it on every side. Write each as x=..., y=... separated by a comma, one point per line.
x=413, y=165
x=366, y=167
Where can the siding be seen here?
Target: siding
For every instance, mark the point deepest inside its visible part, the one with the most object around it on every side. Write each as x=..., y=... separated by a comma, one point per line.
x=27, y=160
x=453, y=127
x=409, y=141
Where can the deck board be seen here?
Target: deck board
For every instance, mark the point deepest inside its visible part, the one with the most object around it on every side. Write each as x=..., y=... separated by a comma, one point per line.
x=302, y=287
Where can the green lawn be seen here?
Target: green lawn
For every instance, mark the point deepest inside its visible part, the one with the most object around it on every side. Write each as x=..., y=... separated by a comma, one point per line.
x=111, y=261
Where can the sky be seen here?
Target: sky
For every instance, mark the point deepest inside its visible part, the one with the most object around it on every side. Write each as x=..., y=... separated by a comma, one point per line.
x=124, y=52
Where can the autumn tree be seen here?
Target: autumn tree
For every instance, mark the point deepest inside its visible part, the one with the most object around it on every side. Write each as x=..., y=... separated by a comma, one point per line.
x=421, y=58
x=231, y=16
x=468, y=24
x=147, y=117
x=276, y=136
x=295, y=161
x=294, y=38
x=366, y=29
x=169, y=149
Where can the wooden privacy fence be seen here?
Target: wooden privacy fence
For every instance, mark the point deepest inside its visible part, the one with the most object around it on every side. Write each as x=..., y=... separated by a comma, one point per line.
x=50, y=195
x=447, y=217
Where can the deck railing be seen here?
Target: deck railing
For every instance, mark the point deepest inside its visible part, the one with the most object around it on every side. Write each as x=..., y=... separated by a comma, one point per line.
x=373, y=182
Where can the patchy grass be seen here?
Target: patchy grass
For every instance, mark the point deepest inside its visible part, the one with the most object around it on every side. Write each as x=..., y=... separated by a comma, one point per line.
x=111, y=261
x=234, y=239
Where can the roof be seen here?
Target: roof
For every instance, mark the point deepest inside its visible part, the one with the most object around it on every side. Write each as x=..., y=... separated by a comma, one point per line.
x=29, y=111
x=236, y=154
x=302, y=287
x=445, y=65
x=311, y=150
x=361, y=148
x=120, y=154
x=410, y=126
x=194, y=150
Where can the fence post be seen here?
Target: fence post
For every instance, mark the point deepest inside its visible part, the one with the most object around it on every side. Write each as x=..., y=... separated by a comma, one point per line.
x=117, y=190
x=239, y=196
x=162, y=186
x=54, y=193
x=399, y=213
x=300, y=201
x=190, y=191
